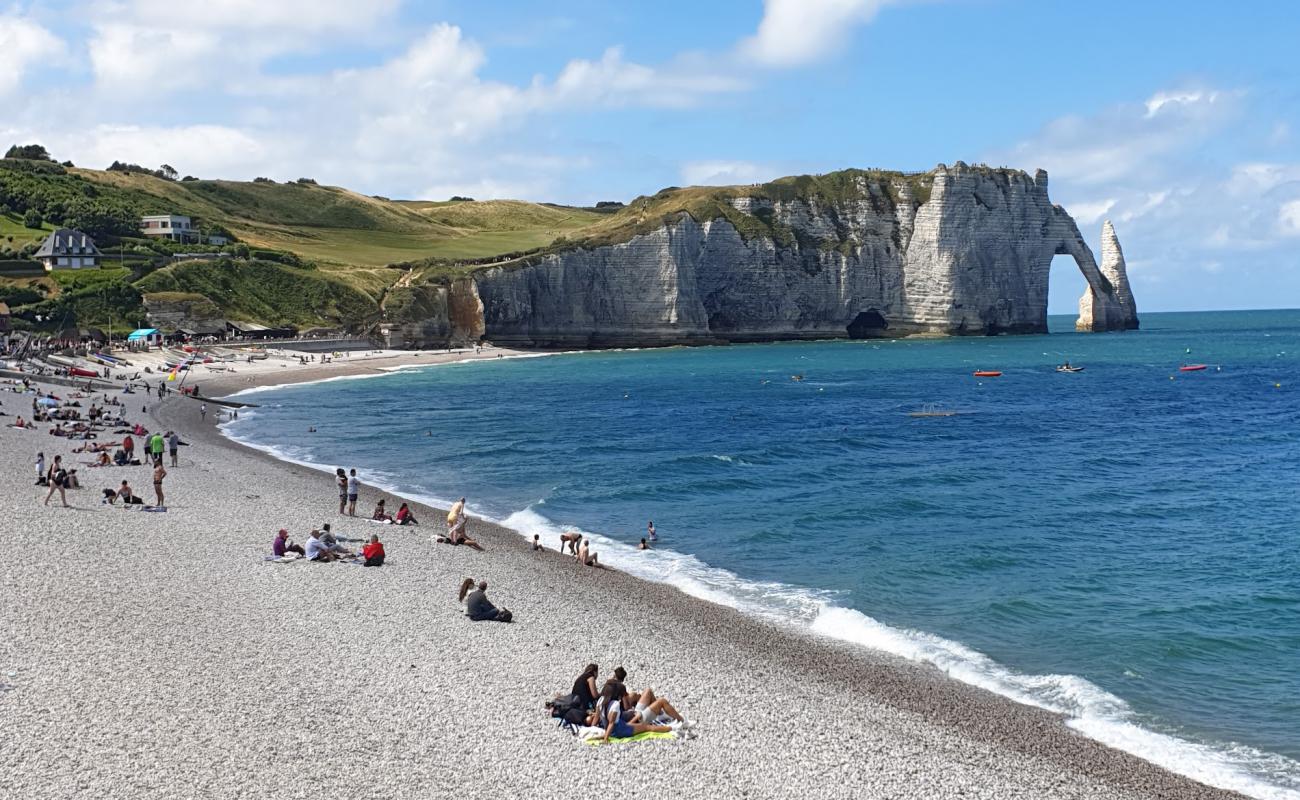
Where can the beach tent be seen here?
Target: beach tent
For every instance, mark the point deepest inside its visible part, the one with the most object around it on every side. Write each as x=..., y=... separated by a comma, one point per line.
x=144, y=336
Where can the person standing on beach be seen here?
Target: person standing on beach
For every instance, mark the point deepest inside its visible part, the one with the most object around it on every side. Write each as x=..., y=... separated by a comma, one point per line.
x=58, y=479
x=354, y=489
x=341, y=478
x=40, y=469
x=156, y=446
x=173, y=444
x=203, y=411
x=158, y=474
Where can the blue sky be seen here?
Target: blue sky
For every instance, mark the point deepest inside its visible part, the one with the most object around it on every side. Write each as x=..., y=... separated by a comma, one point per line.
x=1180, y=121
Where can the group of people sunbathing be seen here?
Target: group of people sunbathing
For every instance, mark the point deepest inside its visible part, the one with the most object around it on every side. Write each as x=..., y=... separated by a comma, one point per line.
x=613, y=711
x=403, y=516
x=324, y=546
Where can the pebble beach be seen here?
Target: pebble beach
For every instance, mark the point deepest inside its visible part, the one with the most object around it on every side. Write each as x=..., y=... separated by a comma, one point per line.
x=161, y=655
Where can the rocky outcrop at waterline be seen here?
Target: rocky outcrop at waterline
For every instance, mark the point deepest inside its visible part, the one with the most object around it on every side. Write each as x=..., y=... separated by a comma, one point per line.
x=959, y=250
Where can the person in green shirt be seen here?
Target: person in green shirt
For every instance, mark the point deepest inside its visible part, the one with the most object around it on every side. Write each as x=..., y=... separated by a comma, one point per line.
x=156, y=445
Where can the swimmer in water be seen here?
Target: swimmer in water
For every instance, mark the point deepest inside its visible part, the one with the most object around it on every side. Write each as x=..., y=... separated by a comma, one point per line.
x=650, y=531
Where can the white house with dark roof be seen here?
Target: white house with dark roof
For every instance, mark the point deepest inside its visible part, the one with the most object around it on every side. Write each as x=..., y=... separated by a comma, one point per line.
x=67, y=249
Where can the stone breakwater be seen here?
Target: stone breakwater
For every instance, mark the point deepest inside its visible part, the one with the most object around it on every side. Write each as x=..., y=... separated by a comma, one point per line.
x=970, y=257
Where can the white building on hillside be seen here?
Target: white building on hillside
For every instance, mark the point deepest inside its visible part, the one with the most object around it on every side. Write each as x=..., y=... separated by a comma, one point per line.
x=174, y=227
x=68, y=249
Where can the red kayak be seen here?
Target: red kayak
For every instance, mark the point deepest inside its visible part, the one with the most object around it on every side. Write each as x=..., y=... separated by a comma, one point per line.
x=83, y=373
x=1191, y=368
x=987, y=373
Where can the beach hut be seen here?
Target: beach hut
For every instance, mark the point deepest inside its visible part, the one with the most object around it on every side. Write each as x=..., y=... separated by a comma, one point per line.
x=144, y=337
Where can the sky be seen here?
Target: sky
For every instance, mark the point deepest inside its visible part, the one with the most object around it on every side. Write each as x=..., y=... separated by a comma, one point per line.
x=1178, y=120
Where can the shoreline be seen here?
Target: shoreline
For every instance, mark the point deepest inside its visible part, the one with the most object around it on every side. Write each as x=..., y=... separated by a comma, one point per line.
x=853, y=649
x=121, y=621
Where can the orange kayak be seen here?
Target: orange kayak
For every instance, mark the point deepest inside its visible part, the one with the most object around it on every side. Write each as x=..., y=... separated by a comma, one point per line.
x=987, y=373
x=1191, y=368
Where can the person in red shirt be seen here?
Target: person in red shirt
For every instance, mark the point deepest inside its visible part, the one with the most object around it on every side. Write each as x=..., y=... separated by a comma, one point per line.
x=128, y=444
x=373, y=552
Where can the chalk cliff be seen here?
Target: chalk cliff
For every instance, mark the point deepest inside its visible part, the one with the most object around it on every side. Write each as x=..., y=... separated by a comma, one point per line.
x=958, y=250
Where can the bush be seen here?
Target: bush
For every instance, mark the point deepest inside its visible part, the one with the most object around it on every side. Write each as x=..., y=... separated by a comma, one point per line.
x=458, y=199
x=32, y=219
x=31, y=152
x=306, y=182
x=260, y=179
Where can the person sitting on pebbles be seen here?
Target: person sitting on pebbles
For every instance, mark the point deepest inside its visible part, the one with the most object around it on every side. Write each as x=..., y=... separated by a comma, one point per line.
x=283, y=544
x=317, y=550
x=585, y=556
x=381, y=513
x=477, y=607
x=373, y=552
x=405, y=517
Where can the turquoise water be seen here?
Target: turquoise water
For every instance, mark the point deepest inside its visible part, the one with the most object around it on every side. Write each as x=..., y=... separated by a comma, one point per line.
x=1116, y=545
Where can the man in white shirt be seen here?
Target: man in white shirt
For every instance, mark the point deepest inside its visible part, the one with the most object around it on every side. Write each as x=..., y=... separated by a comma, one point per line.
x=318, y=550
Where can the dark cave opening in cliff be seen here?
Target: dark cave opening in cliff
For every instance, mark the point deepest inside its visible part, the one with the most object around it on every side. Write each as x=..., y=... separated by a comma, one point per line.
x=1065, y=285
x=868, y=324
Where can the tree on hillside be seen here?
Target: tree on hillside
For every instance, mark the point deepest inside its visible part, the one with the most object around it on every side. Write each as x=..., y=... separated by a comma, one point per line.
x=31, y=152
x=32, y=219
x=168, y=172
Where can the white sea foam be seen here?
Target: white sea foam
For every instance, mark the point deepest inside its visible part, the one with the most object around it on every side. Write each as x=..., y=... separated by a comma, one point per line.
x=1087, y=707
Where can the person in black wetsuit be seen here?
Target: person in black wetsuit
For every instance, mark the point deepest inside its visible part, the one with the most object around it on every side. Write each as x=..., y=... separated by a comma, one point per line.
x=477, y=607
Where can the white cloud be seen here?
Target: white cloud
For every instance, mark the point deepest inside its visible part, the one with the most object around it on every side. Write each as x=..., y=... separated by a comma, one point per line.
x=706, y=173
x=157, y=46
x=1259, y=177
x=1288, y=218
x=1128, y=138
x=23, y=43
x=795, y=32
x=1087, y=213
x=199, y=149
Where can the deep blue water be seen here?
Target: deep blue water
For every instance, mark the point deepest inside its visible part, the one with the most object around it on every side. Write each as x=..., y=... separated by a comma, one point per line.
x=1118, y=544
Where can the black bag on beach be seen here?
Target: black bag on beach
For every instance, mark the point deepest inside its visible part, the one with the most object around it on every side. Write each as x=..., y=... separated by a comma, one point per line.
x=569, y=709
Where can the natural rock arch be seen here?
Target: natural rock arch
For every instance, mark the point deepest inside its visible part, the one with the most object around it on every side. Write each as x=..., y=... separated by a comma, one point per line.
x=1107, y=303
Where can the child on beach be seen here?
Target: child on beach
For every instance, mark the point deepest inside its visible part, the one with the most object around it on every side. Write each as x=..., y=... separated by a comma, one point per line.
x=537, y=542
x=40, y=469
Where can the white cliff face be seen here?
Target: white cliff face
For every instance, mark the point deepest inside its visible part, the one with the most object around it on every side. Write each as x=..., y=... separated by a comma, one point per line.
x=973, y=258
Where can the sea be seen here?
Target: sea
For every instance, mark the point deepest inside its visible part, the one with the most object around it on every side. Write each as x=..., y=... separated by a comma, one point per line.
x=1118, y=545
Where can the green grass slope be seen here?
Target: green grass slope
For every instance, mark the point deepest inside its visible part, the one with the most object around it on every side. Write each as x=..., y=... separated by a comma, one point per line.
x=267, y=292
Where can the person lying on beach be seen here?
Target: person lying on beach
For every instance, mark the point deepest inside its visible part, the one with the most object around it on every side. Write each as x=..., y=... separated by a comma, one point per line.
x=477, y=607
x=317, y=550
x=373, y=552
x=405, y=517
x=381, y=514
x=612, y=718
x=650, y=708
x=103, y=461
x=283, y=544
x=570, y=539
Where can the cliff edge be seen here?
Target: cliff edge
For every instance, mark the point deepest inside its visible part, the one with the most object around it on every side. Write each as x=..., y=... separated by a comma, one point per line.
x=962, y=250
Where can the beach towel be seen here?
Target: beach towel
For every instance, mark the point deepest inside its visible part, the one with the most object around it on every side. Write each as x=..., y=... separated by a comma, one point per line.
x=640, y=737
x=284, y=559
